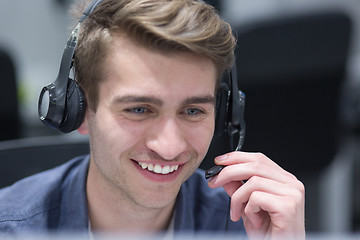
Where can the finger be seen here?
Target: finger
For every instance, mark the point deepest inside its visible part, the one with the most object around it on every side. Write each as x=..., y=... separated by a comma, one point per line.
x=254, y=210
x=244, y=171
x=232, y=187
x=238, y=157
x=257, y=184
x=282, y=214
x=229, y=174
x=241, y=157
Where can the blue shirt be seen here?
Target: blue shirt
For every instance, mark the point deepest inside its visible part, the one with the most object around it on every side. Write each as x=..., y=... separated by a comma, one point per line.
x=55, y=200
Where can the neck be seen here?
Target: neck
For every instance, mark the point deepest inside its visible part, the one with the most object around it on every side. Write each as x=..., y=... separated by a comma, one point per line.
x=111, y=210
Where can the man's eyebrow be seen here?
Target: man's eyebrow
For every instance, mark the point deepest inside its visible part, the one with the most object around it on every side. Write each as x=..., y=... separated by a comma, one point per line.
x=138, y=99
x=153, y=100
x=198, y=100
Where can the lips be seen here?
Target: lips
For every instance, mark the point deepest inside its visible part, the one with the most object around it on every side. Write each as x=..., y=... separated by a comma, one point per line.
x=160, y=169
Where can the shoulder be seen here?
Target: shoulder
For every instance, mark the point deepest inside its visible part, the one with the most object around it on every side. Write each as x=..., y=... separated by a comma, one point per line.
x=32, y=198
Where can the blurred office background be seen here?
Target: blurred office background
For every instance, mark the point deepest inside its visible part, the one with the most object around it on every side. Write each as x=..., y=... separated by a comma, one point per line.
x=309, y=49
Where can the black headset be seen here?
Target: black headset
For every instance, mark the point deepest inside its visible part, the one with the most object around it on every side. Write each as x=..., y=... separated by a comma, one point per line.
x=230, y=109
x=62, y=104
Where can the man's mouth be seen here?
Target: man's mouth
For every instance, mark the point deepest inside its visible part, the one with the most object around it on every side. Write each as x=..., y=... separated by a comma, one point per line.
x=156, y=168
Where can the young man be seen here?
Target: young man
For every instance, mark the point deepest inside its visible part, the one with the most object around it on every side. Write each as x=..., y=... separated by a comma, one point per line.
x=150, y=71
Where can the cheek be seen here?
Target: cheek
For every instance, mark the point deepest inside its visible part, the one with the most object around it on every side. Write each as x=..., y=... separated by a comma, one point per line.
x=104, y=134
x=116, y=135
x=201, y=138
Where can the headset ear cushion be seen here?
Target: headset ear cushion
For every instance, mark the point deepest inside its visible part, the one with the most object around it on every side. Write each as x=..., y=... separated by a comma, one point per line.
x=222, y=104
x=75, y=108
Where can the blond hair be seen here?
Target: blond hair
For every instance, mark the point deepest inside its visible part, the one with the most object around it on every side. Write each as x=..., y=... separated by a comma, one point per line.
x=168, y=26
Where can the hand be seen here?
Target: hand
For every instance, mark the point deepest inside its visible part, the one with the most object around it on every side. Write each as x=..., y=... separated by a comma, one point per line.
x=271, y=201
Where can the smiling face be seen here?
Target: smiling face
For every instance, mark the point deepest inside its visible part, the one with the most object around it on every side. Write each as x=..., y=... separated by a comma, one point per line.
x=153, y=123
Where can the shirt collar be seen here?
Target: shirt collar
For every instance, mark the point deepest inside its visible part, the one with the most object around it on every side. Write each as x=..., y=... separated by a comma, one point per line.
x=74, y=209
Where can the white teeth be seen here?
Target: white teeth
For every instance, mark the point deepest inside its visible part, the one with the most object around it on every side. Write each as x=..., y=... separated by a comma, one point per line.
x=144, y=165
x=158, y=168
x=165, y=170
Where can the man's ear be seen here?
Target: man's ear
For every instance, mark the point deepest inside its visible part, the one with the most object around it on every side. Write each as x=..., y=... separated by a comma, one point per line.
x=84, y=128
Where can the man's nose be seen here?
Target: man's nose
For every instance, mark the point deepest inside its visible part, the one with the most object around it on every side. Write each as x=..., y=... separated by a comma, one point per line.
x=166, y=139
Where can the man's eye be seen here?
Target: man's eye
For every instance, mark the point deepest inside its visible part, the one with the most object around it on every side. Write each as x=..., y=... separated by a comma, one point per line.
x=193, y=111
x=137, y=113
x=194, y=114
x=138, y=110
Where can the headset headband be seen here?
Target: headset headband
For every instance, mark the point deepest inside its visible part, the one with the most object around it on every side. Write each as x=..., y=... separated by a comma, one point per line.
x=55, y=93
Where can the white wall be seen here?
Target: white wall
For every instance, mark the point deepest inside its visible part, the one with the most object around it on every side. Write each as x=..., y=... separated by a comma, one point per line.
x=240, y=11
x=243, y=10
x=34, y=33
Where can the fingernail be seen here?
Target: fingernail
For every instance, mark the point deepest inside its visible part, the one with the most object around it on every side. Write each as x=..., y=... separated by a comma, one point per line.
x=213, y=179
x=221, y=158
x=231, y=215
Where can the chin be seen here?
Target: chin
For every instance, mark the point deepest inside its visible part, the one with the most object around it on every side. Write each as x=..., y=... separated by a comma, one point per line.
x=159, y=199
